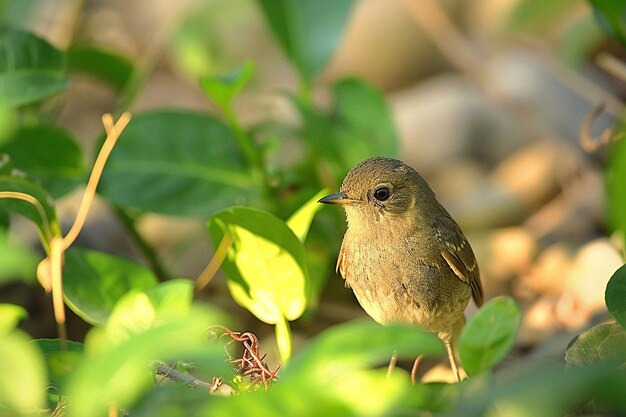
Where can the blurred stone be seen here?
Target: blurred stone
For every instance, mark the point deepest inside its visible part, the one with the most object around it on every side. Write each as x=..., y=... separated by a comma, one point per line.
x=541, y=88
x=387, y=58
x=548, y=273
x=511, y=252
x=577, y=212
x=590, y=271
x=446, y=117
x=532, y=173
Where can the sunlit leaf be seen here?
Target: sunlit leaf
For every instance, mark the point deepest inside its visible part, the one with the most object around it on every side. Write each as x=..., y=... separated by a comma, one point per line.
x=108, y=66
x=536, y=14
x=30, y=68
x=61, y=357
x=223, y=89
x=601, y=345
x=140, y=309
x=308, y=31
x=117, y=374
x=489, y=335
x=94, y=282
x=265, y=265
x=300, y=221
x=22, y=380
x=10, y=316
x=178, y=163
x=48, y=155
x=357, y=345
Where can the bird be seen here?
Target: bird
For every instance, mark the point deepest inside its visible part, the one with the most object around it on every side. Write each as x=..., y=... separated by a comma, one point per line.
x=404, y=257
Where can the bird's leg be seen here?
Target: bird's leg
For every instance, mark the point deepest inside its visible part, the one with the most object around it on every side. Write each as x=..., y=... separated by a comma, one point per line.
x=452, y=359
x=392, y=363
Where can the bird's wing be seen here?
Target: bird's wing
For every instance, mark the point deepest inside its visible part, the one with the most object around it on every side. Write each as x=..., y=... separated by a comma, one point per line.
x=459, y=256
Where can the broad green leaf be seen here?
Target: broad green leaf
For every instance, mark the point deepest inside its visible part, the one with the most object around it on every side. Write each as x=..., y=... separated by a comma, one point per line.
x=61, y=357
x=48, y=155
x=616, y=182
x=615, y=296
x=601, y=345
x=300, y=221
x=308, y=31
x=611, y=16
x=489, y=335
x=108, y=66
x=178, y=163
x=94, y=282
x=223, y=89
x=359, y=127
x=119, y=373
x=16, y=261
x=30, y=68
x=22, y=380
x=357, y=345
x=8, y=124
x=363, y=111
x=10, y=316
x=265, y=265
x=139, y=310
x=46, y=221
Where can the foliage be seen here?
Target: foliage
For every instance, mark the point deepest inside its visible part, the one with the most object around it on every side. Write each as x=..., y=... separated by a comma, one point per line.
x=179, y=162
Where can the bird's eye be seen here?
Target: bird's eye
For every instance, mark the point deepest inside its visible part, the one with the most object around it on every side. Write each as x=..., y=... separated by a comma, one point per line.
x=381, y=193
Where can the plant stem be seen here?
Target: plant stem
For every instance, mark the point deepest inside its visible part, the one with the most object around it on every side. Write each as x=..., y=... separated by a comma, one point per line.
x=148, y=251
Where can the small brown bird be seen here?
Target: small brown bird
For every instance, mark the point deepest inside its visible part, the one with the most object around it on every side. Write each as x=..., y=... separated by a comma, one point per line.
x=405, y=258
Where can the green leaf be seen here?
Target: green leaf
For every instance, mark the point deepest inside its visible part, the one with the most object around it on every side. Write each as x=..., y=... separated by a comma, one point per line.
x=139, y=310
x=265, y=265
x=108, y=66
x=50, y=156
x=300, y=221
x=118, y=373
x=61, y=357
x=178, y=163
x=489, y=335
x=616, y=182
x=16, y=260
x=10, y=316
x=601, y=345
x=94, y=282
x=46, y=221
x=362, y=109
x=536, y=14
x=308, y=31
x=30, y=68
x=357, y=345
x=8, y=124
x=359, y=127
x=22, y=380
x=611, y=16
x=615, y=296
x=223, y=89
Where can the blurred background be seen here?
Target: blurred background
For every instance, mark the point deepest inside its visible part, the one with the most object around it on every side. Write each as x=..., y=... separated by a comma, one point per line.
x=487, y=100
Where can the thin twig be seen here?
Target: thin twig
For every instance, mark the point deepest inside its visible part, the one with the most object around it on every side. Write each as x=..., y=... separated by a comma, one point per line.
x=251, y=363
x=214, y=264
x=590, y=143
x=612, y=65
x=416, y=366
x=392, y=363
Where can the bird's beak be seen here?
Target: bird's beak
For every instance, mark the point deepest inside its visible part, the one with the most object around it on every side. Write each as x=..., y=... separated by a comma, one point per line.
x=338, y=198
